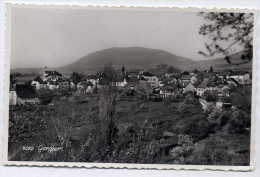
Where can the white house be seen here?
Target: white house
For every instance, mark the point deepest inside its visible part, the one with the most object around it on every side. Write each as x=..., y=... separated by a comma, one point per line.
x=12, y=97
x=36, y=84
x=89, y=89
x=49, y=75
x=85, y=87
x=120, y=82
x=219, y=104
x=150, y=78
x=200, y=89
x=185, y=80
x=165, y=93
x=52, y=85
x=241, y=78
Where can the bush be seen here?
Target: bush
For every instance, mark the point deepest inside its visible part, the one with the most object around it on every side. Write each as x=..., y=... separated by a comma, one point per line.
x=196, y=126
x=45, y=96
x=214, y=152
x=241, y=99
x=214, y=115
x=184, y=148
x=190, y=106
x=239, y=121
x=210, y=95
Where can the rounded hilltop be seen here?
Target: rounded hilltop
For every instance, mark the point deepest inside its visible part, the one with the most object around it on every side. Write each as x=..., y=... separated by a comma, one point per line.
x=132, y=57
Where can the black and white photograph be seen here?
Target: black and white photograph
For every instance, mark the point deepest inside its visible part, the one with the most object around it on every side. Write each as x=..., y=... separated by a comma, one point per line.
x=165, y=86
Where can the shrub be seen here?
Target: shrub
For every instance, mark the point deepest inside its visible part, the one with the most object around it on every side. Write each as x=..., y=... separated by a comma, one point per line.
x=214, y=115
x=184, y=149
x=190, y=106
x=213, y=151
x=239, y=121
x=196, y=126
x=210, y=95
x=45, y=96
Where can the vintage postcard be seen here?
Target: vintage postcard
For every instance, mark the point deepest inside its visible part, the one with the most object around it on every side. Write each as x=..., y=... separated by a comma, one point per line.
x=130, y=87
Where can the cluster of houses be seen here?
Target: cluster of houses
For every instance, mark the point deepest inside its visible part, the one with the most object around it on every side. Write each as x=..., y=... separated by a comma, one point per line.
x=24, y=89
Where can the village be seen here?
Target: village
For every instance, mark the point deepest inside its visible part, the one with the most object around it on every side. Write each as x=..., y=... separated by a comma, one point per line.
x=167, y=113
x=208, y=86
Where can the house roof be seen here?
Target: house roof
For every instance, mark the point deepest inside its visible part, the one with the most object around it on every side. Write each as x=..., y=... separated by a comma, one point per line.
x=226, y=87
x=186, y=77
x=148, y=74
x=234, y=81
x=133, y=73
x=119, y=78
x=168, y=88
x=189, y=87
x=133, y=80
x=53, y=83
x=25, y=91
x=38, y=79
x=205, y=83
x=91, y=76
x=53, y=73
x=85, y=83
x=208, y=75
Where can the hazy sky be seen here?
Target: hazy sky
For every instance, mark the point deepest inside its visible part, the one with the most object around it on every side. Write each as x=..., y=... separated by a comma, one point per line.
x=58, y=36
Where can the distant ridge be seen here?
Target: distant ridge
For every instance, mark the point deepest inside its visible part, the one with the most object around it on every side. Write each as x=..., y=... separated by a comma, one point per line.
x=131, y=57
x=142, y=58
x=221, y=64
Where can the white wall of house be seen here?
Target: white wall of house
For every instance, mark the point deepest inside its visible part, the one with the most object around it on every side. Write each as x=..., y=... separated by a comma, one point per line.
x=241, y=79
x=89, y=89
x=52, y=87
x=120, y=83
x=93, y=81
x=166, y=94
x=153, y=80
x=36, y=84
x=219, y=104
x=200, y=91
x=12, y=98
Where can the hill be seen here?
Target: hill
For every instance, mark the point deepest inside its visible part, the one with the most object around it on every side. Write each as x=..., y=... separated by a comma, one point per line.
x=131, y=57
x=142, y=58
x=221, y=64
x=30, y=71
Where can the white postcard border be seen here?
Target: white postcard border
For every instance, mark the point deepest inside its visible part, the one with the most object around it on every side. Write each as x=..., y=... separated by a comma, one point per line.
x=10, y=4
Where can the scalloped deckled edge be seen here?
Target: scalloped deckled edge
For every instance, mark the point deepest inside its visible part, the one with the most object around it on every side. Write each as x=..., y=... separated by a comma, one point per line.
x=97, y=5
x=8, y=5
x=130, y=166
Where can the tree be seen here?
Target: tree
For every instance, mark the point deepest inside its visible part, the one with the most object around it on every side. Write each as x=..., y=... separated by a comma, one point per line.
x=107, y=105
x=12, y=80
x=171, y=69
x=46, y=96
x=190, y=106
x=226, y=31
x=76, y=78
x=185, y=73
x=195, y=71
x=211, y=69
x=209, y=95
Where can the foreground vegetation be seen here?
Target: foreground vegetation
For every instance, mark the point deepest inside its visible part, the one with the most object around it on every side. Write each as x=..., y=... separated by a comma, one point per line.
x=173, y=131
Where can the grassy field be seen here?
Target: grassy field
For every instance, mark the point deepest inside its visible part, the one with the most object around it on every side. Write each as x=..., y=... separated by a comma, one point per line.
x=173, y=132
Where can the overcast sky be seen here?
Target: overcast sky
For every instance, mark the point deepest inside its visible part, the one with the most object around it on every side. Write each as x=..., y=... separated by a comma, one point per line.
x=55, y=37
